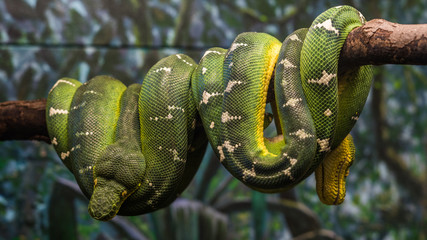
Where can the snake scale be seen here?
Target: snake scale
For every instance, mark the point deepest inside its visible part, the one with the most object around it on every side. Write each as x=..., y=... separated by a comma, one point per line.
x=134, y=149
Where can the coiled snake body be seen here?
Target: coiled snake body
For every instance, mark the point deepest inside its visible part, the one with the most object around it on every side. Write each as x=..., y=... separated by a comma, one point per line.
x=135, y=149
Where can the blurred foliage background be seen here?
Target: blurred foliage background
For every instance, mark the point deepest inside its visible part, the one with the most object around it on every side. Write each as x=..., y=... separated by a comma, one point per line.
x=44, y=40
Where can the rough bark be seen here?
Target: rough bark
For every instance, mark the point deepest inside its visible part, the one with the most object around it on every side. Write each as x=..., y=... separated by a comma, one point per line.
x=382, y=42
x=23, y=120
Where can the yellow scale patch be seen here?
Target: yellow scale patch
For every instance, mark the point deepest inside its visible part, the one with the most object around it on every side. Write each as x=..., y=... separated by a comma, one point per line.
x=331, y=173
x=272, y=55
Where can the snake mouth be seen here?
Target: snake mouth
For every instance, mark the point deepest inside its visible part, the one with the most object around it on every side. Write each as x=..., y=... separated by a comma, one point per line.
x=106, y=200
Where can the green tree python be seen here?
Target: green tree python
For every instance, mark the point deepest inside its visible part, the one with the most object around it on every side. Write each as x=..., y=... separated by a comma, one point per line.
x=134, y=149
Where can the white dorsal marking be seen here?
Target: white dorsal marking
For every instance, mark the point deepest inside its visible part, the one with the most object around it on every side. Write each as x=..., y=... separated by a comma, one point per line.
x=185, y=61
x=166, y=69
x=325, y=79
x=292, y=161
x=206, y=96
x=225, y=117
x=173, y=107
x=66, y=154
x=328, y=112
x=292, y=102
x=301, y=134
x=287, y=64
x=328, y=26
x=236, y=45
x=175, y=155
x=230, y=148
x=54, y=111
x=79, y=106
x=92, y=92
x=210, y=51
x=169, y=116
x=79, y=134
x=62, y=81
x=85, y=169
x=288, y=173
x=324, y=145
x=294, y=37
x=231, y=84
x=247, y=173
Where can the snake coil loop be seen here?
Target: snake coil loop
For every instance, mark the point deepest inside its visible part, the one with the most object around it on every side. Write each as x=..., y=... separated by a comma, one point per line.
x=134, y=149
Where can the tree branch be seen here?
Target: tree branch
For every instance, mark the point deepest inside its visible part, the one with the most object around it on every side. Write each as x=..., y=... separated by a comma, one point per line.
x=377, y=42
x=382, y=42
x=23, y=120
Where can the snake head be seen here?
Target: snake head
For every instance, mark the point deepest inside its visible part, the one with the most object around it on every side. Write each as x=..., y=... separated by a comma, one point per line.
x=107, y=198
x=118, y=174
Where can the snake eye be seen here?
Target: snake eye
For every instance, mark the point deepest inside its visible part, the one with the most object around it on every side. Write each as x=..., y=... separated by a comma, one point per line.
x=124, y=193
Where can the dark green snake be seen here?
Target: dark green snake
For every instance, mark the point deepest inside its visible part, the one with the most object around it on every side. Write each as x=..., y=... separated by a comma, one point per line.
x=135, y=149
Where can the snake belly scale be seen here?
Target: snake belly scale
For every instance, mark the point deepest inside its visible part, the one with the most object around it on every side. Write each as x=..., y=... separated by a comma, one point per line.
x=134, y=149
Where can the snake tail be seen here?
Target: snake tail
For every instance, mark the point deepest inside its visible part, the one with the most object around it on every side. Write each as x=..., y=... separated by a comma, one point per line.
x=331, y=173
x=335, y=98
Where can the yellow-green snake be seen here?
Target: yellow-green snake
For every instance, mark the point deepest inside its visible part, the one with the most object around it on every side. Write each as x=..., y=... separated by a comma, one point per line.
x=134, y=149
